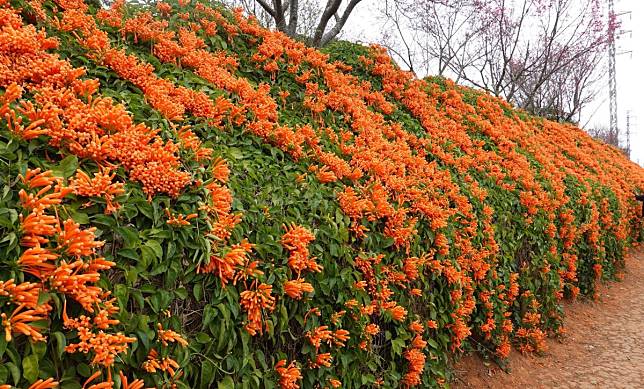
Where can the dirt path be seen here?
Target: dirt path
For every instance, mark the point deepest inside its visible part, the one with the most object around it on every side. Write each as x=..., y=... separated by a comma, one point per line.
x=603, y=348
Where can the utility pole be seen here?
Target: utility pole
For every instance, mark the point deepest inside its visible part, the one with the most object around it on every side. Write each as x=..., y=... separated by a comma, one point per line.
x=612, y=69
x=612, y=64
x=628, y=133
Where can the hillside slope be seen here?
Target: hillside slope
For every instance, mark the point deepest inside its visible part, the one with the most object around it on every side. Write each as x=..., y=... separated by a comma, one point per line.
x=190, y=200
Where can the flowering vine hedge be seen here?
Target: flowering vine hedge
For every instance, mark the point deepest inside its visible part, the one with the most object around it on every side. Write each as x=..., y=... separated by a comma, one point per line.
x=190, y=201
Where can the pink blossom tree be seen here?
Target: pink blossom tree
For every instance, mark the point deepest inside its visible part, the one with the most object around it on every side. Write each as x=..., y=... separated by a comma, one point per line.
x=545, y=56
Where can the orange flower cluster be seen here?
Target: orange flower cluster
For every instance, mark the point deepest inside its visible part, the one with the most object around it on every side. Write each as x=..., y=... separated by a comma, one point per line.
x=69, y=115
x=296, y=241
x=49, y=383
x=180, y=220
x=254, y=301
x=295, y=288
x=190, y=141
x=189, y=50
x=170, y=336
x=289, y=374
x=170, y=100
x=154, y=363
x=101, y=185
x=416, y=360
x=64, y=257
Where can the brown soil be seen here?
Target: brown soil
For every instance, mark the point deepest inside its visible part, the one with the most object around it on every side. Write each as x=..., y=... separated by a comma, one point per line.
x=603, y=346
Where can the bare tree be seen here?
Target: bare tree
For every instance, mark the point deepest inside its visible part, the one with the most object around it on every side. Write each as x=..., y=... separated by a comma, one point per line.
x=545, y=56
x=303, y=18
x=608, y=136
x=427, y=36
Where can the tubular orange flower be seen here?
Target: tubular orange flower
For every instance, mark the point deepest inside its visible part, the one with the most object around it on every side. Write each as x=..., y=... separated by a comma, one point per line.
x=101, y=185
x=254, y=302
x=319, y=335
x=288, y=375
x=38, y=261
x=372, y=329
x=296, y=239
x=323, y=359
x=220, y=170
x=398, y=313
x=416, y=361
x=340, y=337
x=44, y=384
x=24, y=293
x=179, y=220
x=416, y=327
x=169, y=336
x=296, y=288
x=77, y=242
x=19, y=322
x=125, y=384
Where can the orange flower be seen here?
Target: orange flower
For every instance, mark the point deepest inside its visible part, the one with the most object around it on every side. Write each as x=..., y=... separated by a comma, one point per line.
x=38, y=261
x=416, y=327
x=289, y=375
x=169, y=336
x=136, y=384
x=324, y=175
x=372, y=329
x=220, y=170
x=77, y=242
x=323, y=359
x=296, y=239
x=319, y=335
x=340, y=337
x=295, y=288
x=101, y=185
x=44, y=384
x=416, y=366
x=24, y=293
x=153, y=363
x=179, y=220
x=254, y=302
x=397, y=313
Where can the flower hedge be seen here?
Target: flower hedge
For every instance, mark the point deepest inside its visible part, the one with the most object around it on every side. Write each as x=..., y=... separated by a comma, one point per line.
x=190, y=200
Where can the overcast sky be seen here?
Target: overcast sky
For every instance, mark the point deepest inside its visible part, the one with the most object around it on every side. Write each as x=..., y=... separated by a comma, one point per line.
x=364, y=26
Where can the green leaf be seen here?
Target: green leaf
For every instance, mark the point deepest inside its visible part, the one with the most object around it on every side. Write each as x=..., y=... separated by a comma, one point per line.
x=4, y=374
x=207, y=373
x=84, y=370
x=156, y=248
x=226, y=383
x=67, y=166
x=39, y=349
x=3, y=345
x=30, y=368
x=15, y=372
x=80, y=217
x=61, y=342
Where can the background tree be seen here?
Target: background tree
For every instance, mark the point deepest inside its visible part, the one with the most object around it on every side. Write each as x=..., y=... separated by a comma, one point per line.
x=302, y=18
x=545, y=56
x=611, y=137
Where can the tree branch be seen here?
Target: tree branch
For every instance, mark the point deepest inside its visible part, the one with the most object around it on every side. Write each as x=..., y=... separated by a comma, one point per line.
x=333, y=32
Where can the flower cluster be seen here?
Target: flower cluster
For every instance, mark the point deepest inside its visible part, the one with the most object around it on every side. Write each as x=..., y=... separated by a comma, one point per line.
x=68, y=113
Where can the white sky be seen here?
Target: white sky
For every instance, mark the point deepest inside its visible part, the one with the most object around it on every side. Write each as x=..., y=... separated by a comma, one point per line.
x=364, y=26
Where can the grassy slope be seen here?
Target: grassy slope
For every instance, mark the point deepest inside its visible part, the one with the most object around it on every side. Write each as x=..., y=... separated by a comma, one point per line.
x=266, y=190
